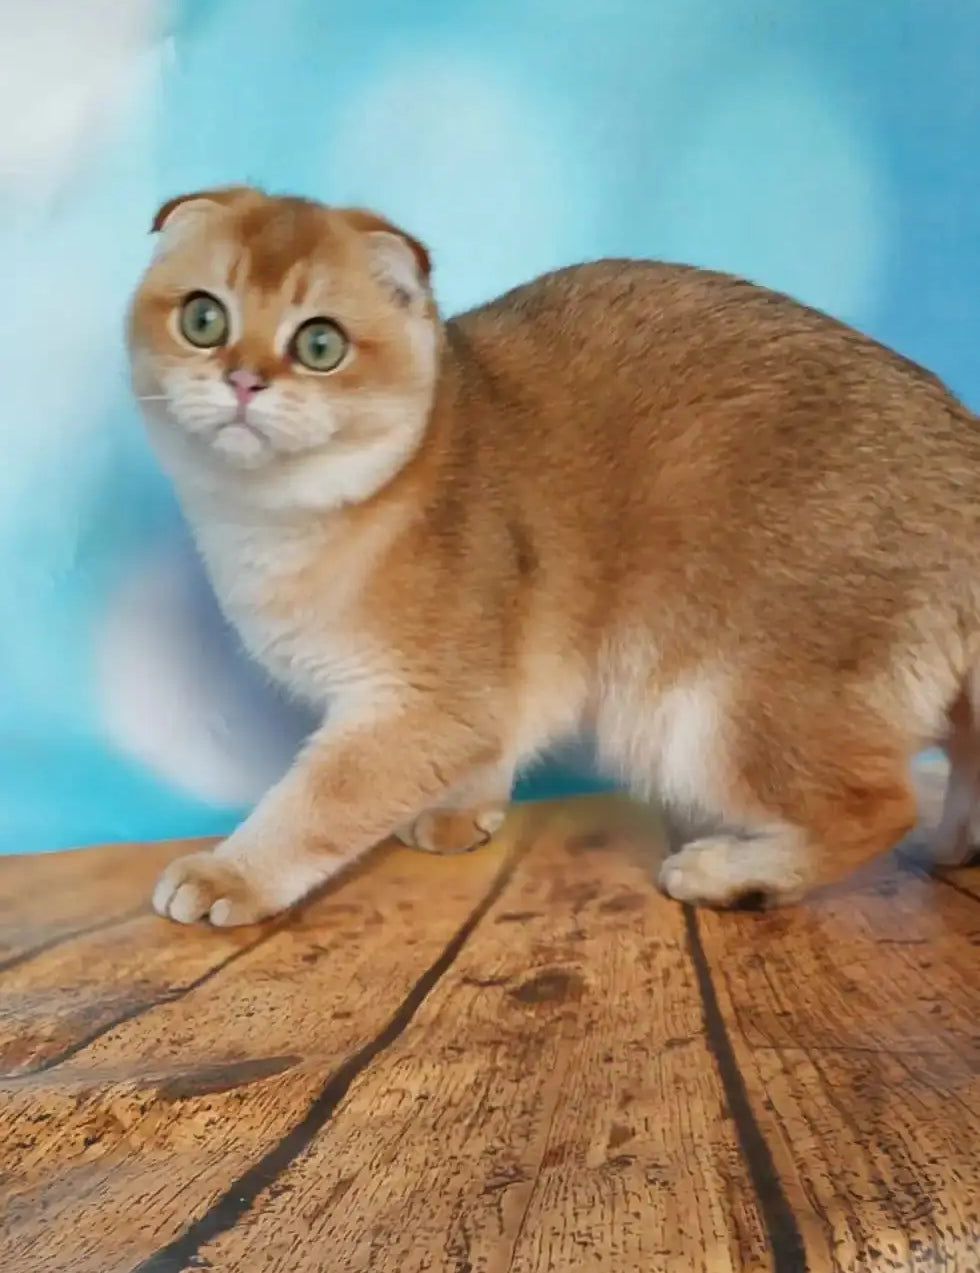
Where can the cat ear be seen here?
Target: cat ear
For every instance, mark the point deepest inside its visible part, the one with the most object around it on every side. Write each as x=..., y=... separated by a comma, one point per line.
x=185, y=211
x=400, y=261
x=400, y=266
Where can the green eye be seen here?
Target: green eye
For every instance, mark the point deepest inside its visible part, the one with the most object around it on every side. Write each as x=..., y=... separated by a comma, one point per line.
x=320, y=345
x=204, y=320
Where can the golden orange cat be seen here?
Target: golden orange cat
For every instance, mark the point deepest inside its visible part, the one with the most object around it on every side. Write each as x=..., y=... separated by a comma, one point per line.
x=733, y=538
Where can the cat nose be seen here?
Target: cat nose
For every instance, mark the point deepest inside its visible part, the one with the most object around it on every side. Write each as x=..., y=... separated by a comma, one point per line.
x=246, y=384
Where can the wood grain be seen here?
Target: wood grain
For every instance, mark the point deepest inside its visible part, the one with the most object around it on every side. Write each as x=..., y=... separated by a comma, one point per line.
x=854, y=1029
x=53, y=897
x=520, y=1059
x=553, y=1105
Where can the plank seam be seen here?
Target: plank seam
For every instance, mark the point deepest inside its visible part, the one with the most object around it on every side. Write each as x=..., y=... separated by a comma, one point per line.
x=922, y=870
x=787, y=1249
x=72, y=934
x=955, y=886
x=237, y=1200
x=133, y=1011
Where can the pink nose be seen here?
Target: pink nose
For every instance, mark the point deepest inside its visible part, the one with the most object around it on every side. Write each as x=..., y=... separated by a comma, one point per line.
x=246, y=385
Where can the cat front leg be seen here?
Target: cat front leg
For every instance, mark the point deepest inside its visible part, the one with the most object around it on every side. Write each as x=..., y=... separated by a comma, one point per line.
x=348, y=789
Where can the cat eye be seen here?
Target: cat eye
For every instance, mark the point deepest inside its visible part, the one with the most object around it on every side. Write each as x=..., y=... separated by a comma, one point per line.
x=203, y=320
x=319, y=345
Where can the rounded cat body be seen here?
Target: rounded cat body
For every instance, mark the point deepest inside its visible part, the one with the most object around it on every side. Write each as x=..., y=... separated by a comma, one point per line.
x=732, y=537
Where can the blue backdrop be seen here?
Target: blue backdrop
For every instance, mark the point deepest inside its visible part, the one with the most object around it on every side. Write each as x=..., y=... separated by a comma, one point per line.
x=825, y=147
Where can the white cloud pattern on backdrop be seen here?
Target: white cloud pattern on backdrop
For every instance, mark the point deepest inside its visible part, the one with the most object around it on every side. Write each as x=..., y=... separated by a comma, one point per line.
x=176, y=693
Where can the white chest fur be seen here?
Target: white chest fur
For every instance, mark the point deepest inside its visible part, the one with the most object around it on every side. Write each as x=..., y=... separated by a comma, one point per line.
x=292, y=594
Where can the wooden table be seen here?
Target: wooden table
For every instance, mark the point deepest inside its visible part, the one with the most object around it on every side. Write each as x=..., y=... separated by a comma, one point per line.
x=522, y=1059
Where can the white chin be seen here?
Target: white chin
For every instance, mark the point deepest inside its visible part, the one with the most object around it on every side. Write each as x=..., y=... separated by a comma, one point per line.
x=242, y=445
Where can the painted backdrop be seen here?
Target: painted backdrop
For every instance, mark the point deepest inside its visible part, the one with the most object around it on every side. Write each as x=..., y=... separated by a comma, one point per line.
x=825, y=147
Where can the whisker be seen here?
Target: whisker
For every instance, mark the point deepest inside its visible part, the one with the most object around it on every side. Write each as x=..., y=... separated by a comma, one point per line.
x=152, y=397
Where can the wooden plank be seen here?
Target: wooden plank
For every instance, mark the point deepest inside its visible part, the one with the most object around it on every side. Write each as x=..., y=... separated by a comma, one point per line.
x=553, y=1106
x=521, y=1059
x=882, y=962
x=110, y=1152
x=852, y=1024
x=877, y=1155
x=50, y=898
x=72, y=985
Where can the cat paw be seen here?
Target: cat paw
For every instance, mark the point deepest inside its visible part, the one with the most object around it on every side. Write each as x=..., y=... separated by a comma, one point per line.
x=731, y=872
x=946, y=851
x=449, y=831
x=203, y=886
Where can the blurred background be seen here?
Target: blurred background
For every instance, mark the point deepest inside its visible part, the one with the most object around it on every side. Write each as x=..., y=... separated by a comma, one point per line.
x=824, y=147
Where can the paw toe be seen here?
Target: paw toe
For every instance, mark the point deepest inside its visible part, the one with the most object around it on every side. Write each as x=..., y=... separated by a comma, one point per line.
x=449, y=832
x=189, y=903
x=202, y=886
x=693, y=875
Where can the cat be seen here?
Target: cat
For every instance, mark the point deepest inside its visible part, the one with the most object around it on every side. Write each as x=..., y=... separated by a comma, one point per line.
x=732, y=538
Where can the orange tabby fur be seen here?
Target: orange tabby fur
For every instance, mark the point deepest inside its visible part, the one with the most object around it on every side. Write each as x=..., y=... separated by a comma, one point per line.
x=732, y=537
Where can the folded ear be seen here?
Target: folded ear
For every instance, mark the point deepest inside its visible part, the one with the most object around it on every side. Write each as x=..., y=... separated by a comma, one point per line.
x=180, y=214
x=401, y=262
x=201, y=200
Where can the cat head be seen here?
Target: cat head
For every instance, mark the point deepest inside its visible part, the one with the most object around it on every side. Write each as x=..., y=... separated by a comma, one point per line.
x=274, y=336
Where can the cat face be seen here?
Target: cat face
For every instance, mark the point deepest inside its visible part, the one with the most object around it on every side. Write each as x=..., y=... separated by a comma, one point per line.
x=271, y=330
